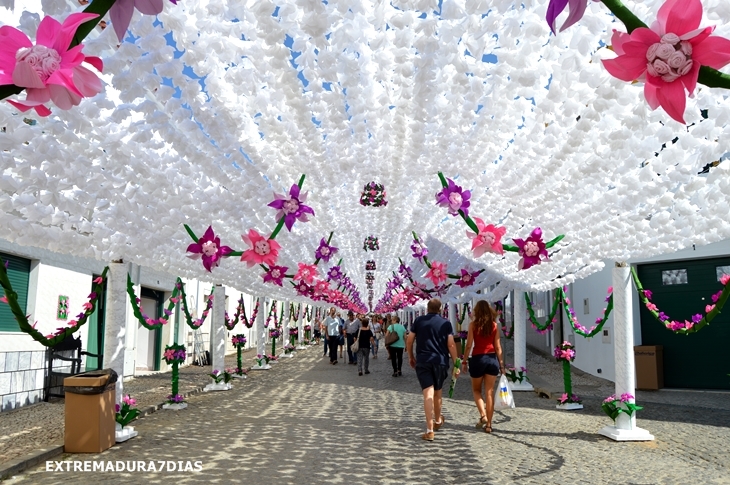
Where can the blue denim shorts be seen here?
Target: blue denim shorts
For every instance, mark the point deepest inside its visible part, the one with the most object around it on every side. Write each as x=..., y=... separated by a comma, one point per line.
x=483, y=364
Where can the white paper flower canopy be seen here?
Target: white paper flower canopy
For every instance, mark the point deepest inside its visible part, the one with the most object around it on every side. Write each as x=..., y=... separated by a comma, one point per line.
x=386, y=91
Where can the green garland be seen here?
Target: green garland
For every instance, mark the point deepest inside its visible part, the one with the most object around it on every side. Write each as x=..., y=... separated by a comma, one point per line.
x=50, y=340
x=178, y=295
x=240, y=310
x=464, y=313
x=560, y=297
x=549, y=321
x=684, y=328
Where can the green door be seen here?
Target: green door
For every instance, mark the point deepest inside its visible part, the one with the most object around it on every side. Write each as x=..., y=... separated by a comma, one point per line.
x=19, y=275
x=95, y=339
x=682, y=289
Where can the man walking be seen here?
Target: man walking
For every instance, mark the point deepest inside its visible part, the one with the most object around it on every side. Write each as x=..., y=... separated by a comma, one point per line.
x=353, y=325
x=434, y=344
x=332, y=324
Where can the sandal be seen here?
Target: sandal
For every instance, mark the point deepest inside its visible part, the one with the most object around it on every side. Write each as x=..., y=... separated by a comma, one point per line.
x=437, y=426
x=488, y=428
x=482, y=423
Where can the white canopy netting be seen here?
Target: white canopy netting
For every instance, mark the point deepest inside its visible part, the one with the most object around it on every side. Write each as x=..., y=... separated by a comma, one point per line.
x=208, y=109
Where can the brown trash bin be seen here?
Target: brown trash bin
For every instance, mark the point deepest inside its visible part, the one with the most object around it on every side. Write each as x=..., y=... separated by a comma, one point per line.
x=649, y=362
x=89, y=411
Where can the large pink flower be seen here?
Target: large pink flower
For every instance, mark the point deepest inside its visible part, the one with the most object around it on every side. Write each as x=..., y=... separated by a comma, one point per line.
x=263, y=251
x=306, y=273
x=49, y=70
x=668, y=56
x=488, y=239
x=437, y=273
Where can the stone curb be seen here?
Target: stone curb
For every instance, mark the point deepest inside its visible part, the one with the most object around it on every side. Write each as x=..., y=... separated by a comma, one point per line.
x=19, y=465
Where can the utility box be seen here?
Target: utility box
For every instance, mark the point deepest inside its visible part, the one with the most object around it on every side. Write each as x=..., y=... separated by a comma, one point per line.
x=89, y=411
x=649, y=361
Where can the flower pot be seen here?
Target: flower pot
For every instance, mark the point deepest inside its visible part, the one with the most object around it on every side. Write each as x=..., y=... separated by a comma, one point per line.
x=123, y=434
x=221, y=386
x=177, y=406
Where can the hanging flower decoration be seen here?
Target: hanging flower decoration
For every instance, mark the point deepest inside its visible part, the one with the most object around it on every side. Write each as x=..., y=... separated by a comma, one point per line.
x=291, y=208
x=50, y=70
x=373, y=195
x=306, y=273
x=370, y=265
x=324, y=251
x=556, y=7
x=122, y=10
x=437, y=272
x=488, y=240
x=454, y=198
x=699, y=320
x=238, y=340
x=263, y=251
x=371, y=244
x=532, y=249
x=303, y=289
x=334, y=273
x=467, y=278
x=420, y=251
x=209, y=249
x=667, y=57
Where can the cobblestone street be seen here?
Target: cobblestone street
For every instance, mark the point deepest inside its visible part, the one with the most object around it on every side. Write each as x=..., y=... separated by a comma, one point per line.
x=306, y=421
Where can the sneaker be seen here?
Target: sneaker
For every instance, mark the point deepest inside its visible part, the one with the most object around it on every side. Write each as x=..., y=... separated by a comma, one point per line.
x=367, y=372
x=437, y=426
x=428, y=436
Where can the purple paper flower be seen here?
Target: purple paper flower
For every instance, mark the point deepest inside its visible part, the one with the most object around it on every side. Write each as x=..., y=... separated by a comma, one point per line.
x=325, y=251
x=275, y=275
x=467, y=278
x=419, y=250
x=626, y=397
x=531, y=249
x=454, y=198
x=696, y=318
x=292, y=208
x=303, y=289
x=556, y=7
x=122, y=10
x=663, y=316
x=404, y=270
x=209, y=249
x=334, y=273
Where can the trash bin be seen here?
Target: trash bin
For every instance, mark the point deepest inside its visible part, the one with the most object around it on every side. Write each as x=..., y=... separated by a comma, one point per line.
x=89, y=411
x=649, y=362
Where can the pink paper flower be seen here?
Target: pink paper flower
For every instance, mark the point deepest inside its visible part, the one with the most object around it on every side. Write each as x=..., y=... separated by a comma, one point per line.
x=121, y=13
x=129, y=400
x=263, y=251
x=49, y=70
x=437, y=273
x=488, y=240
x=306, y=273
x=209, y=249
x=87, y=306
x=725, y=279
x=531, y=249
x=709, y=308
x=99, y=280
x=275, y=275
x=668, y=57
x=3, y=299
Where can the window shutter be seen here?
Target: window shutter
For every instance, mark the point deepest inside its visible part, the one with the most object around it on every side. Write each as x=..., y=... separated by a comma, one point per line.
x=19, y=275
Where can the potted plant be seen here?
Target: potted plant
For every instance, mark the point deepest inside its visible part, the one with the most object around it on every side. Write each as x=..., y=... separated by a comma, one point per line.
x=613, y=406
x=125, y=414
x=221, y=381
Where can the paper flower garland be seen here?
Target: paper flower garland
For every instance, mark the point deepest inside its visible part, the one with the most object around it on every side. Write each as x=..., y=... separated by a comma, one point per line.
x=262, y=250
x=454, y=198
x=488, y=240
x=532, y=249
x=373, y=195
x=667, y=57
x=291, y=208
x=50, y=70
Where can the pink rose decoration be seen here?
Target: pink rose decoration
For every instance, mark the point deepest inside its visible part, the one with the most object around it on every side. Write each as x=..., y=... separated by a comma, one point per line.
x=437, y=273
x=263, y=251
x=488, y=240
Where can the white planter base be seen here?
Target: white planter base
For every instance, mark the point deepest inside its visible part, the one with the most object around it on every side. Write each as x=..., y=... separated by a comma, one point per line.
x=175, y=406
x=301, y=347
x=287, y=356
x=217, y=387
x=261, y=367
x=636, y=434
x=236, y=376
x=123, y=434
x=275, y=361
x=569, y=406
x=520, y=386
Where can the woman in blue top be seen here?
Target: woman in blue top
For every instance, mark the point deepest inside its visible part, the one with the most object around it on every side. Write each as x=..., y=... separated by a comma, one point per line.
x=396, y=348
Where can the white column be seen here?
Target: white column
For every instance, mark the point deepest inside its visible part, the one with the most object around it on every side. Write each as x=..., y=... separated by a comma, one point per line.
x=520, y=340
x=623, y=330
x=218, y=328
x=115, y=323
x=300, y=323
x=259, y=328
x=453, y=317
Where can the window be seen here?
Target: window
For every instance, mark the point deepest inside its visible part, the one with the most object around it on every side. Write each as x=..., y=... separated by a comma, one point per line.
x=674, y=277
x=18, y=274
x=722, y=270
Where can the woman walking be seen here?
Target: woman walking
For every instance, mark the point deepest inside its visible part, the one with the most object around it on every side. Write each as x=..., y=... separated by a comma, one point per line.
x=364, y=340
x=396, y=348
x=377, y=334
x=486, y=361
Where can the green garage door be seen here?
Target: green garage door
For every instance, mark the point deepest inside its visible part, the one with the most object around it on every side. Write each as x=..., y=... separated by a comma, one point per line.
x=681, y=289
x=19, y=274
